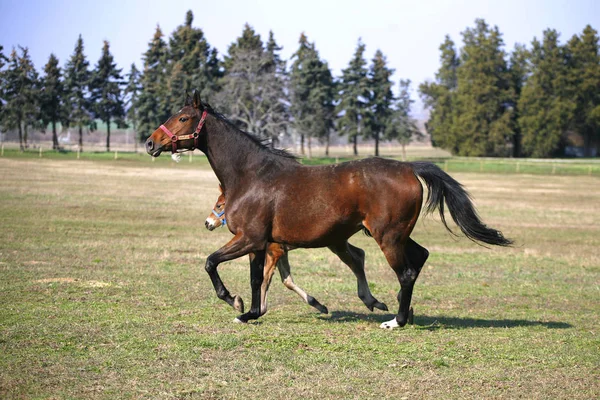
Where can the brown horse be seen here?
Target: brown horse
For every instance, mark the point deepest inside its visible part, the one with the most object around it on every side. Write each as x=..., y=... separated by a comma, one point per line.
x=276, y=256
x=272, y=198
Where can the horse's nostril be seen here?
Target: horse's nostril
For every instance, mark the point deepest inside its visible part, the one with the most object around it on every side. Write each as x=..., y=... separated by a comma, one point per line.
x=206, y=224
x=150, y=145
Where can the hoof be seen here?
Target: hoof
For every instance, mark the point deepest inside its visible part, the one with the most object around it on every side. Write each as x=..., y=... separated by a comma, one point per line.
x=391, y=324
x=247, y=317
x=377, y=305
x=238, y=304
x=313, y=302
x=238, y=321
x=322, y=309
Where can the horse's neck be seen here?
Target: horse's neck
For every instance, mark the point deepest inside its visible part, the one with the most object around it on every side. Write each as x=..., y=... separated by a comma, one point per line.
x=233, y=159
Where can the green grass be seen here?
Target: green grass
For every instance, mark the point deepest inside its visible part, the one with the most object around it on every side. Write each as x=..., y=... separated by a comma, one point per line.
x=104, y=295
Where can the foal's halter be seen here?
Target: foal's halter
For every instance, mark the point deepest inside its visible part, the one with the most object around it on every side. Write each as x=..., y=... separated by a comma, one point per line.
x=219, y=215
x=195, y=135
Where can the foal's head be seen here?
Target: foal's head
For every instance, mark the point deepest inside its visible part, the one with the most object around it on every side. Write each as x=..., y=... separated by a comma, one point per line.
x=217, y=216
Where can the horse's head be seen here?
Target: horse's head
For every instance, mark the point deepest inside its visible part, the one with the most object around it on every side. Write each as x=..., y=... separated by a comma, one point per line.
x=217, y=216
x=182, y=131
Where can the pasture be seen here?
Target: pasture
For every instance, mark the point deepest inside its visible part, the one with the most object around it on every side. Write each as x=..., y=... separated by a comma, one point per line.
x=103, y=294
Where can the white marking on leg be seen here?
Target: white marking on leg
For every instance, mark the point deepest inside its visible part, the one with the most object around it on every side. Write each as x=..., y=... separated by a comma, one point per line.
x=289, y=283
x=238, y=321
x=391, y=324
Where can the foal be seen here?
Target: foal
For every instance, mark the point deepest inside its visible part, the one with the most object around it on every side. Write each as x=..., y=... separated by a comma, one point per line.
x=276, y=257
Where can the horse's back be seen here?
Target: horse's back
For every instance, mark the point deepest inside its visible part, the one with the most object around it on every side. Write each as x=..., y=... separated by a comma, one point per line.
x=318, y=203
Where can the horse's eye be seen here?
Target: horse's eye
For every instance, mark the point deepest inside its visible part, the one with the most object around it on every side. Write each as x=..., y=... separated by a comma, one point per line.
x=183, y=119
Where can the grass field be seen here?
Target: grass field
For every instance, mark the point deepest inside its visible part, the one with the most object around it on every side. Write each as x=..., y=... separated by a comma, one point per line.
x=103, y=294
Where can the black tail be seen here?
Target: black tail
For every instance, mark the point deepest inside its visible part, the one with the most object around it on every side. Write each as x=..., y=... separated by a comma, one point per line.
x=442, y=186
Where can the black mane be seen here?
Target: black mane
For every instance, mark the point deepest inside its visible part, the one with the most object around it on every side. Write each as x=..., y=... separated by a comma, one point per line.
x=263, y=144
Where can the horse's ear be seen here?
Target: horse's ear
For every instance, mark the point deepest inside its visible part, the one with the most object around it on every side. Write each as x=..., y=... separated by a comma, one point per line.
x=220, y=189
x=196, y=102
x=188, y=99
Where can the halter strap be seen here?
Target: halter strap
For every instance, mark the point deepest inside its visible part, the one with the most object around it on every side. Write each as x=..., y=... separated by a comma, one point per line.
x=219, y=215
x=174, y=138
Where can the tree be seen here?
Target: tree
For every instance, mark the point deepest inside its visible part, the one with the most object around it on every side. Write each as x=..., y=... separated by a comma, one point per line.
x=584, y=82
x=21, y=91
x=189, y=64
x=312, y=94
x=3, y=61
x=151, y=104
x=77, y=94
x=483, y=94
x=402, y=127
x=52, y=108
x=106, y=94
x=381, y=99
x=253, y=85
x=353, y=97
x=518, y=73
x=545, y=107
x=132, y=94
x=440, y=98
x=278, y=101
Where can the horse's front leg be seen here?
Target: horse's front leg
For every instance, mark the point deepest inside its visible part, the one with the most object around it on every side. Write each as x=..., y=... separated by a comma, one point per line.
x=238, y=246
x=257, y=262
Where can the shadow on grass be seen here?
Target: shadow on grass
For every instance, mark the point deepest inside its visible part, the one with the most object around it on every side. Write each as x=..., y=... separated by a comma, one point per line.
x=431, y=323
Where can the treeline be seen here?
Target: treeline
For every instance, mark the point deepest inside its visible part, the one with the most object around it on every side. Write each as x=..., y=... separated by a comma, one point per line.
x=251, y=84
x=534, y=102
x=484, y=102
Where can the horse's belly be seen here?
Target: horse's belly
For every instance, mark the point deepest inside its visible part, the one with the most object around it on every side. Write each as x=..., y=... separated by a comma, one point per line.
x=313, y=232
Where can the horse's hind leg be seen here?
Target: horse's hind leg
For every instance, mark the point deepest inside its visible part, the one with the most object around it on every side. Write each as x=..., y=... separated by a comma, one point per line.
x=286, y=277
x=407, y=261
x=354, y=258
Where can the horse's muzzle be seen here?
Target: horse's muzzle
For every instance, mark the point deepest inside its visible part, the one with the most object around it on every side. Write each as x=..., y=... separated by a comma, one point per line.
x=149, y=145
x=151, y=148
x=209, y=226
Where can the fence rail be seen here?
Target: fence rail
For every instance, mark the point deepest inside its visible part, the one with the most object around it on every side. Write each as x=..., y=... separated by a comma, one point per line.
x=590, y=167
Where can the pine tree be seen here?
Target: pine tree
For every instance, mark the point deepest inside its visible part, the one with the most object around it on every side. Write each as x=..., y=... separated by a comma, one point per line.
x=402, y=127
x=440, y=98
x=381, y=100
x=106, y=93
x=584, y=84
x=544, y=106
x=277, y=102
x=132, y=94
x=483, y=94
x=249, y=41
x=77, y=98
x=353, y=97
x=518, y=72
x=51, y=100
x=312, y=94
x=151, y=104
x=189, y=63
x=3, y=61
x=22, y=93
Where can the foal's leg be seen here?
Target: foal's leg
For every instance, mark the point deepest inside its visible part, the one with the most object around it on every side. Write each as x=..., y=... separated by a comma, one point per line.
x=274, y=253
x=354, y=258
x=406, y=260
x=238, y=246
x=286, y=277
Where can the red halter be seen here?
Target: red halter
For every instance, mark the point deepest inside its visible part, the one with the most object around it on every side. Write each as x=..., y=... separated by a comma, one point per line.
x=175, y=138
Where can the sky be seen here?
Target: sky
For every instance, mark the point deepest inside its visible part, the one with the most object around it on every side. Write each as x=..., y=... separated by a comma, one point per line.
x=409, y=33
